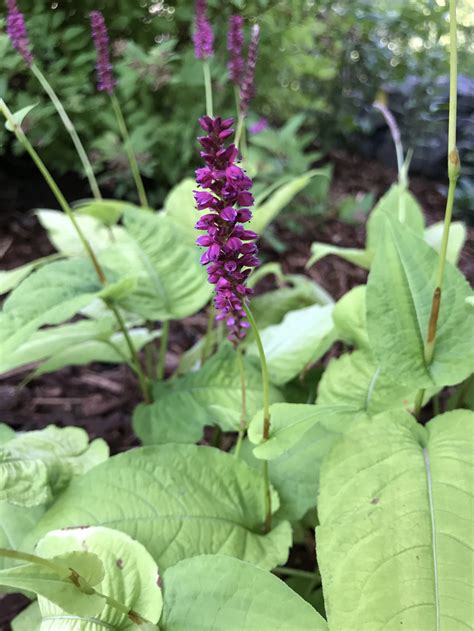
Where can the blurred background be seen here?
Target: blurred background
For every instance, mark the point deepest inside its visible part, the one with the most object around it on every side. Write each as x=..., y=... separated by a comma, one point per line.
x=321, y=65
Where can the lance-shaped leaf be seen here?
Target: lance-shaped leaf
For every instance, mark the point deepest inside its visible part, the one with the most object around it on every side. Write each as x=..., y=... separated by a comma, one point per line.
x=395, y=540
x=15, y=523
x=399, y=297
x=50, y=295
x=300, y=339
x=209, y=396
x=180, y=209
x=178, y=501
x=130, y=577
x=457, y=237
x=35, y=465
x=59, y=585
x=217, y=593
x=9, y=279
x=354, y=255
x=349, y=318
x=29, y=619
x=171, y=282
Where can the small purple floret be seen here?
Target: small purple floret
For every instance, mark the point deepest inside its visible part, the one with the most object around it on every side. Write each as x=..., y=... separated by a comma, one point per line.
x=105, y=78
x=203, y=36
x=235, y=44
x=247, y=89
x=259, y=126
x=231, y=251
x=16, y=30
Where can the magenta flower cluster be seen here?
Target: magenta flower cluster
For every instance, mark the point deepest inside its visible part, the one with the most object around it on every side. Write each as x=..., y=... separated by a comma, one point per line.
x=235, y=45
x=231, y=251
x=105, y=78
x=203, y=36
x=16, y=30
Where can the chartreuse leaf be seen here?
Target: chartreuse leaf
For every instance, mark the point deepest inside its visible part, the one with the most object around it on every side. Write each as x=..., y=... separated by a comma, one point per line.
x=171, y=282
x=399, y=296
x=107, y=211
x=300, y=339
x=180, y=209
x=389, y=205
x=178, y=501
x=396, y=522
x=29, y=619
x=15, y=523
x=295, y=473
x=271, y=207
x=210, y=396
x=36, y=465
x=218, y=593
x=63, y=235
x=356, y=380
x=289, y=423
x=457, y=237
x=353, y=255
x=130, y=577
x=50, y=295
x=56, y=586
x=9, y=279
x=19, y=116
x=349, y=318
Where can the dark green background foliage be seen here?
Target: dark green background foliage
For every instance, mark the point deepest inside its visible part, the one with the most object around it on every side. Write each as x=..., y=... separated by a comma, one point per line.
x=325, y=59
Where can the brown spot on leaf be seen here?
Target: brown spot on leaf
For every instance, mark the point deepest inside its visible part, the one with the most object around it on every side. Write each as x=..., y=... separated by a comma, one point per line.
x=135, y=617
x=119, y=563
x=159, y=582
x=375, y=500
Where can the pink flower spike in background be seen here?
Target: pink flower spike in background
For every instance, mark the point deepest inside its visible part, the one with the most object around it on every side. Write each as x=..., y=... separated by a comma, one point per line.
x=247, y=89
x=16, y=30
x=203, y=36
x=105, y=78
x=235, y=44
x=230, y=249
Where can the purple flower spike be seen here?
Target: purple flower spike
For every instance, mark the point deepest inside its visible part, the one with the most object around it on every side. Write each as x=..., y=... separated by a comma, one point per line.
x=247, y=89
x=231, y=251
x=16, y=30
x=235, y=44
x=203, y=36
x=105, y=79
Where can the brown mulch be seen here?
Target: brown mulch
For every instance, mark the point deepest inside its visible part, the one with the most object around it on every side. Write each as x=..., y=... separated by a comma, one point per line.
x=100, y=398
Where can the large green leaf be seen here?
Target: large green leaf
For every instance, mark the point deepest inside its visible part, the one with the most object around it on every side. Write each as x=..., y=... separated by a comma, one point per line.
x=356, y=380
x=29, y=619
x=50, y=295
x=217, y=593
x=107, y=211
x=389, y=205
x=295, y=473
x=9, y=279
x=171, y=283
x=209, y=396
x=300, y=339
x=36, y=465
x=178, y=501
x=399, y=297
x=56, y=586
x=349, y=318
x=15, y=523
x=180, y=208
x=354, y=255
x=395, y=540
x=63, y=235
x=131, y=577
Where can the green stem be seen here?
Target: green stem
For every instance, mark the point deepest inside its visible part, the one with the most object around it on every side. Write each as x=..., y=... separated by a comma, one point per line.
x=289, y=571
x=130, y=153
x=266, y=415
x=133, y=352
x=165, y=333
x=243, y=413
x=71, y=575
x=240, y=128
x=70, y=129
x=19, y=133
x=454, y=169
x=208, y=342
x=208, y=88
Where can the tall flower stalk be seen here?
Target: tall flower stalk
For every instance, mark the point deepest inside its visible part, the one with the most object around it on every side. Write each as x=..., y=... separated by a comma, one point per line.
x=204, y=49
x=106, y=83
x=21, y=136
x=247, y=87
x=18, y=35
x=454, y=170
x=231, y=250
